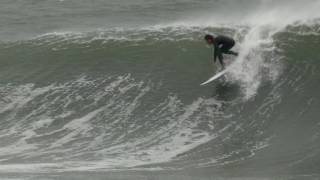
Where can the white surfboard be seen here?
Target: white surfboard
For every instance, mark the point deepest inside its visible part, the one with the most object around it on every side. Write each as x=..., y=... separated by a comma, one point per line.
x=218, y=75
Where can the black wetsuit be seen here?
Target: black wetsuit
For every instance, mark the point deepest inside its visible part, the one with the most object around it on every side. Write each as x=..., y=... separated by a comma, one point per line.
x=222, y=45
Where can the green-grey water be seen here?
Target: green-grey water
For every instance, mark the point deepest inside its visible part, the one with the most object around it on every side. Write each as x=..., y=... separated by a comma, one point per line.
x=110, y=90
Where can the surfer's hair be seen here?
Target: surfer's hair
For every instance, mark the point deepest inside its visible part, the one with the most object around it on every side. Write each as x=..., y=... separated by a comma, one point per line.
x=208, y=37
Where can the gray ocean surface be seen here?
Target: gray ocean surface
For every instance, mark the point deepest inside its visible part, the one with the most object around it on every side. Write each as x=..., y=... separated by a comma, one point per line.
x=106, y=89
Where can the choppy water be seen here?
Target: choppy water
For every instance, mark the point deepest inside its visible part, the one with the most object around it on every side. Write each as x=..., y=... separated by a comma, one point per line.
x=113, y=86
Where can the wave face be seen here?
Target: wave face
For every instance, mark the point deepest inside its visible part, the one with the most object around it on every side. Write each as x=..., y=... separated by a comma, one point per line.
x=128, y=98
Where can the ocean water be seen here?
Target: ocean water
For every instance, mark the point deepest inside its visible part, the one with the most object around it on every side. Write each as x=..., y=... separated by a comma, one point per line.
x=107, y=89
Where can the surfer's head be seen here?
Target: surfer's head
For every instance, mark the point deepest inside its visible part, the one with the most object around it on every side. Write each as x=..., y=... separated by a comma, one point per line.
x=209, y=38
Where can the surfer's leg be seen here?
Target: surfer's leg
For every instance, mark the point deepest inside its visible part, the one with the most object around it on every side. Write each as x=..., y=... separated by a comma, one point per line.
x=232, y=52
x=220, y=57
x=226, y=49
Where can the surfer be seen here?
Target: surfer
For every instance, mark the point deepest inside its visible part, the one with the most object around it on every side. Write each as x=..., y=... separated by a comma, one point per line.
x=221, y=45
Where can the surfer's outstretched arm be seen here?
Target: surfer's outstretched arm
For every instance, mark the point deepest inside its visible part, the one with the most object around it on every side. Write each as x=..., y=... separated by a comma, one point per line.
x=215, y=54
